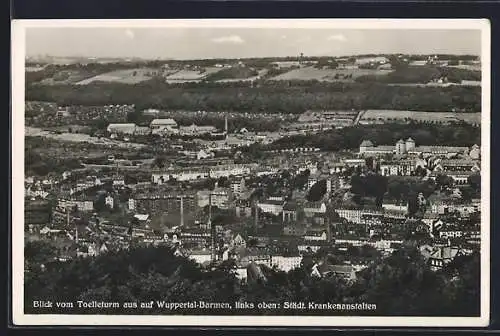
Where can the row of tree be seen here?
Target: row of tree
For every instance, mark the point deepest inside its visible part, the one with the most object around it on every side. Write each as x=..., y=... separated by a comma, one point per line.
x=422, y=75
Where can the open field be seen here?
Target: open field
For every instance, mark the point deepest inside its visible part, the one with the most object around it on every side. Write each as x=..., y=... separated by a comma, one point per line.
x=78, y=137
x=67, y=77
x=127, y=76
x=331, y=75
x=34, y=68
x=385, y=115
x=262, y=73
x=191, y=75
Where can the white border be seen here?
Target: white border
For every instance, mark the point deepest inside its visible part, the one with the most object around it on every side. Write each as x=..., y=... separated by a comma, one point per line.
x=18, y=57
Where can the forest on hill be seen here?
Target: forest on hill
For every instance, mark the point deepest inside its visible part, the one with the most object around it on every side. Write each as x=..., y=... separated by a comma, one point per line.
x=284, y=97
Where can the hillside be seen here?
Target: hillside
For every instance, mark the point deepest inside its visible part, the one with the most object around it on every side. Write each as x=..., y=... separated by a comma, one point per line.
x=150, y=274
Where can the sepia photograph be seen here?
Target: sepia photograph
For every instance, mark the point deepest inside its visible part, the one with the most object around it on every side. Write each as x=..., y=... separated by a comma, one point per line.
x=220, y=172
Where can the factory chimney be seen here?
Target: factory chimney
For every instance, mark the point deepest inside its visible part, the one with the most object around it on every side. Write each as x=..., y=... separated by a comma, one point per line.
x=213, y=252
x=256, y=224
x=182, y=211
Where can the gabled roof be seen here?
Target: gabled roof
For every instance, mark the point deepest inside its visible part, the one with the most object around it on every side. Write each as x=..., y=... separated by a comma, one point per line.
x=326, y=268
x=168, y=121
x=445, y=253
x=273, y=202
x=314, y=233
x=366, y=143
x=290, y=205
x=313, y=205
x=141, y=217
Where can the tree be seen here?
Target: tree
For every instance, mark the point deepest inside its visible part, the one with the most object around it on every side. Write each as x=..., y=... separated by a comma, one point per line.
x=444, y=182
x=317, y=191
x=474, y=181
x=159, y=162
x=413, y=205
x=301, y=179
x=419, y=171
x=369, y=162
x=134, y=221
x=223, y=182
x=38, y=252
x=100, y=203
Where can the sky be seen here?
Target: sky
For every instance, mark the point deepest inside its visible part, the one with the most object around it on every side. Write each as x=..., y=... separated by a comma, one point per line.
x=224, y=42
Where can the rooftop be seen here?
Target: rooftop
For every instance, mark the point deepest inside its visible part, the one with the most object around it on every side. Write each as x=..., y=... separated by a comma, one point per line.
x=168, y=121
x=366, y=143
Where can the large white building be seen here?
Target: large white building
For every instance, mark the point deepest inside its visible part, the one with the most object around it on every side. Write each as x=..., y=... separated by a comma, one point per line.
x=272, y=205
x=196, y=130
x=194, y=173
x=163, y=126
x=408, y=147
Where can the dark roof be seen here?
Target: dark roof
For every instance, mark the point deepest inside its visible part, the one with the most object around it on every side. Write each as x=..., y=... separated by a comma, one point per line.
x=291, y=205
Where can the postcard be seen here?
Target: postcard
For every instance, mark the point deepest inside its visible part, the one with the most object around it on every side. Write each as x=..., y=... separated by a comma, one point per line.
x=274, y=173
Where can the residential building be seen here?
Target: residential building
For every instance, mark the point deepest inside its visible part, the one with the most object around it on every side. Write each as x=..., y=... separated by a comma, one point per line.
x=196, y=130
x=110, y=202
x=81, y=203
x=158, y=125
x=408, y=147
x=221, y=198
x=290, y=212
x=200, y=256
x=441, y=256
x=286, y=263
x=313, y=208
x=315, y=235
x=156, y=203
x=400, y=167
x=243, y=208
x=273, y=206
x=238, y=186
x=294, y=230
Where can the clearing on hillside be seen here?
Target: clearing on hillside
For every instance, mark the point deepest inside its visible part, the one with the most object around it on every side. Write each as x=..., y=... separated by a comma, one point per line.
x=127, y=76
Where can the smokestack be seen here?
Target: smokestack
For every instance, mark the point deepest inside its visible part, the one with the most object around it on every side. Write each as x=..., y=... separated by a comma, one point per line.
x=209, y=223
x=256, y=225
x=213, y=253
x=225, y=124
x=76, y=234
x=67, y=216
x=182, y=210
